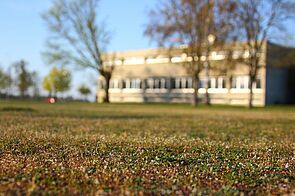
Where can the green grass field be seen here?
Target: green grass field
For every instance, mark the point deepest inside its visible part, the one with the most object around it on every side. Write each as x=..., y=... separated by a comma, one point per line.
x=80, y=148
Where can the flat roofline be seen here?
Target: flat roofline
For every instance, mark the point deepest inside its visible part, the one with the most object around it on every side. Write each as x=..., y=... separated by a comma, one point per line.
x=144, y=52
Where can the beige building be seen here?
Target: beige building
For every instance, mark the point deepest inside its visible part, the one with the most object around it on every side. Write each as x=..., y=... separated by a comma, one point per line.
x=160, y=75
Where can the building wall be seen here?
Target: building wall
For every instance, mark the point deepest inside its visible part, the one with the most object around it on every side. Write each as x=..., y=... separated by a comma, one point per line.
x=146, y=64
x=185, y=96
x=276, y=85
x=279, y=74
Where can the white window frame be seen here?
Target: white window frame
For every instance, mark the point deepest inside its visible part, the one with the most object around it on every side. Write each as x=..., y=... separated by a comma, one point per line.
x=177, y=83
x=116, y=83
x=190, y=83
x=220, y=82
x=157, y=83
x=242, y=82
x=134, y=61
x=163, y=83
x=246, y=81
x=150, y=83
x=255, y=83
x=202, y=81
x=128, y=83
x=183, y=83
x=135, y=83
x=213, y=83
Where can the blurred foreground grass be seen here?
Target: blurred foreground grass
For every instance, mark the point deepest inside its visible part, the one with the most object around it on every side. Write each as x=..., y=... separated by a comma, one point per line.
x=80, y=148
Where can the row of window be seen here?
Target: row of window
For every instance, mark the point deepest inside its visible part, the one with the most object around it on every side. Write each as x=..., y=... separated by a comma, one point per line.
x=220, y=55
x=238, y=82
x=243, y=82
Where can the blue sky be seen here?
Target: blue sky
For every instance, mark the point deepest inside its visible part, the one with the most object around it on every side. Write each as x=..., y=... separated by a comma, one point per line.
x=23, y=33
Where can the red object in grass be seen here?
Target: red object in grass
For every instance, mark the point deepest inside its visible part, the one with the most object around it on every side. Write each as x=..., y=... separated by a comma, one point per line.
x=51, y=100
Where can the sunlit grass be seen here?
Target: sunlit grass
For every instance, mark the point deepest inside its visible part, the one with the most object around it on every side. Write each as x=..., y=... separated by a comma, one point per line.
x=79, y=148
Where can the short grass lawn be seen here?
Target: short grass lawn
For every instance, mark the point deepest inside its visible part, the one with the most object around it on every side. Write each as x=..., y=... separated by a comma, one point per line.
x=84, y=148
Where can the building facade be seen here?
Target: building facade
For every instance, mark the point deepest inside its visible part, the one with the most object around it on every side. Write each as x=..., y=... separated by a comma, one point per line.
x=160, y=75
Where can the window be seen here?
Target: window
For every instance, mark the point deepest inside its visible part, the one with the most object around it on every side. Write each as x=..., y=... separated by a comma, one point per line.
x=240, y=82
x=183, y=83
x=190, y=83
x=163, y=83
x=150, y=83
x=202, y=83
x=163, y=59
x=118, y=62
x=135, y=83
x=111, y=84
x=157, y=83
x=177, y=83
x=178, y=59
x=212, y=83
x=221, y=82
x=151, y=59
x=172, y=83
x=244, y=82
x=128, y=83
x=258, y=83
x=134, y=61
x=108, y=63
x=114, y=84
x=122, y=84
x=157, y=59
x=217, y=55
x=234, y=82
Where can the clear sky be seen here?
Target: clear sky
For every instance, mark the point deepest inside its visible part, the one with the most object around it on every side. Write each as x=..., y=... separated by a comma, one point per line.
x=23, y=32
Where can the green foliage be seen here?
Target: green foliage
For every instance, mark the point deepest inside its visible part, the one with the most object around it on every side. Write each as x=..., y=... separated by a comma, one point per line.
x=126, y=149
x=24, y=78
x=58, y=80
x=4, y=80
x=84, y=90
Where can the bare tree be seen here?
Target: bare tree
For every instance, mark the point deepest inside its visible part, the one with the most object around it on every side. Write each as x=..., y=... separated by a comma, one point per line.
x=77, y=37
x=193, y=23
x=257, y=19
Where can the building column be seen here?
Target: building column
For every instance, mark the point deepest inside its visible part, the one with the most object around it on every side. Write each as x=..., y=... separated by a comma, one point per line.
x=144, y=87
x=169, y=88
x=229, y=86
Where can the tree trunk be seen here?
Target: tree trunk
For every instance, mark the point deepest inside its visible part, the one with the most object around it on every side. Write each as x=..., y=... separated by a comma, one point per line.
x=207, y=96
x=229, y=86
x=250, y=104
x=22, y=94
x=106, y=89
x=195, y=94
